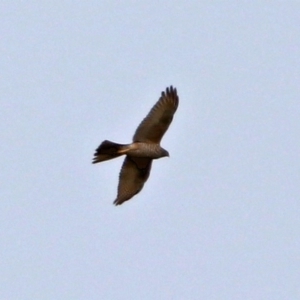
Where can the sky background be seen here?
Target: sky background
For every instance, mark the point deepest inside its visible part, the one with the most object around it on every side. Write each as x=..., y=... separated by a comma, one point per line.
x=219, y=219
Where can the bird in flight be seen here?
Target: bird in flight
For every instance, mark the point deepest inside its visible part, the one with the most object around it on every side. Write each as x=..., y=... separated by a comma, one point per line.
x=144, y=148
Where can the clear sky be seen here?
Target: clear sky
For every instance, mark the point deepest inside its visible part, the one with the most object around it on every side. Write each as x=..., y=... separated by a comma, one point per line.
x=219, y=219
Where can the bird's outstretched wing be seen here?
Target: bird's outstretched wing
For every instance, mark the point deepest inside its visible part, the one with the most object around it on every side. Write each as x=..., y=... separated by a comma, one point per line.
x=158, y=120
x=134, y=173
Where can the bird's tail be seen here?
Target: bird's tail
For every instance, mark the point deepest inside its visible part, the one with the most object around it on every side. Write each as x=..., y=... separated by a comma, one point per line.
x=109, y=150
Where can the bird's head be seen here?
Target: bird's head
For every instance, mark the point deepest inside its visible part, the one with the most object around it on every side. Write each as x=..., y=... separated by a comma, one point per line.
x=164, y=153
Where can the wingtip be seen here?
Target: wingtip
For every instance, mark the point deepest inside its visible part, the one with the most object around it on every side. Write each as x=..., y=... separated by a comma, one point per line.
x=171, y=93
x=116, y=203
x=169, y=90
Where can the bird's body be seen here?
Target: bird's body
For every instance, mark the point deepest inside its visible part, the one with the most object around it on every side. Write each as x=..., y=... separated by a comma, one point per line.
x=145, y=147
x=109, y=150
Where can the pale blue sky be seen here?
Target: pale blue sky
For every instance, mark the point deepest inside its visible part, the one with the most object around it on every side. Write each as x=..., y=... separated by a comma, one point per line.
x=217, y=220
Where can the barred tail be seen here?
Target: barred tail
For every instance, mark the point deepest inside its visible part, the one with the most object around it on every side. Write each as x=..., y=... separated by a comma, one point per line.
x=109, y=150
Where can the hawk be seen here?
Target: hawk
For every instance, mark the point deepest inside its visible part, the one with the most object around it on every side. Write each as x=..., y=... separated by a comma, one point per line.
x=144, y=148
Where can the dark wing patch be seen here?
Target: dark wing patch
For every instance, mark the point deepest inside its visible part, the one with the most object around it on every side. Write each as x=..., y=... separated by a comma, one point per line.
x=158, y=120
x=134, y=173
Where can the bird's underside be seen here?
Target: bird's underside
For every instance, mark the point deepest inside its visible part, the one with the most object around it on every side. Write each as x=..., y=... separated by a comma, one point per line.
x=145, y=147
